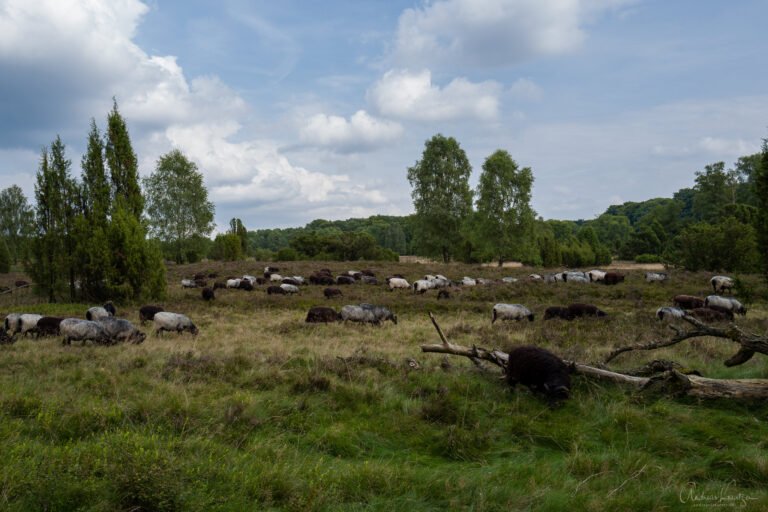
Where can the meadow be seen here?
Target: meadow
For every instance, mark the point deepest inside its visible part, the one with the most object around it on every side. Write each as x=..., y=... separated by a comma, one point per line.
x=262, y=411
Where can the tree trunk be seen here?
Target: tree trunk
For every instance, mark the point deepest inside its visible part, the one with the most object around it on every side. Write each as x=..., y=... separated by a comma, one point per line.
x=671, y=382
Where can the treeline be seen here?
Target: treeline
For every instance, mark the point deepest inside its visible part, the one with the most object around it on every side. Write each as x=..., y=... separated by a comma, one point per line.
x=713, y=225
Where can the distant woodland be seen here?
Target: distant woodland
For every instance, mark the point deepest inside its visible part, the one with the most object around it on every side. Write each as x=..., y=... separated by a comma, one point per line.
x=107, y=232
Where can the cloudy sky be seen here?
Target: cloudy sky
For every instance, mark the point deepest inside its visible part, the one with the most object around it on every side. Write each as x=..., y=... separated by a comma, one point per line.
x=296, y=110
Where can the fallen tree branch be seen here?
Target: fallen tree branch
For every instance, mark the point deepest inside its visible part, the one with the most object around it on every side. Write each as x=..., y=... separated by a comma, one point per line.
x=750, y=343
x=671, y=382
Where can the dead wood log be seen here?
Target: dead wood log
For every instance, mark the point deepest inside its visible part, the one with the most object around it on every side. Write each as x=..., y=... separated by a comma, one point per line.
x=670, y=382
x=750, y=343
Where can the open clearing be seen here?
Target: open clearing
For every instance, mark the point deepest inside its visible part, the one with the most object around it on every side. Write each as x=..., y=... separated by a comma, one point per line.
x=264, y=412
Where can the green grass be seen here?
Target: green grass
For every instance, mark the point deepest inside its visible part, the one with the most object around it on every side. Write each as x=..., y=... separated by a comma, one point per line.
x=264, y=412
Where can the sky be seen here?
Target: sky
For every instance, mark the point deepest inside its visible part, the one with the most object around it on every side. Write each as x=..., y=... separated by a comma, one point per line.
x=298, y=110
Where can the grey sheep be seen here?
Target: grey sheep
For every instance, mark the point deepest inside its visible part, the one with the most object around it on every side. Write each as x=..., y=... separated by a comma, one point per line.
x=82, y=330
x=120, y=330
x=167, y=321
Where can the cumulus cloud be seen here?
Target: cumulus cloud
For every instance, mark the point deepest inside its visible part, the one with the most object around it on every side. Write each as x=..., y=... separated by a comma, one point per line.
x=362, y=132
x=411, y=95
x=491, y=33
x=63, y=60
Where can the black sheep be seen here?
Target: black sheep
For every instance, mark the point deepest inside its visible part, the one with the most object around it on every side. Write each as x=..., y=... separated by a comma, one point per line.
x=540, y=370
x=579, y=309
x=443, y=294
x=332, y=292
x=558, y=312
x=147, y=313
x=48, y=326
x=613, y=278
x=208, y=294
x=321, y=314
x=275, y=290
x=245, y=285
x=345, y=280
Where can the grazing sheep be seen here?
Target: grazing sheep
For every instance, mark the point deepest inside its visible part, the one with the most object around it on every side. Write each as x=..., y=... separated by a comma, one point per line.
x=728, y=313
x=728, y=303
x=397, y=282
x=558, y=312
x=355, y=274
x=575, y=276
x=579, y=309
x=119, y=330
x=368, y=272
x=82, y=330
x=668, y=314
x=370, y=280
x=613, y=278
x=468, y=281
x=167, y=321
x=510, y=312
x=321, y=314
x=219, y=285
x=245, y=285
x=188, y=283
x=595, y=276
x=534, y=277
x=48, y=326
x=367, y=313
x=721, y=283
x=110, y=308
x=345, y=280
x=656, y=277
x=11, y=323
x=508, y=280
x=27, y=324
x=97, y=313
x=443, y=294
x=321, y=278
x=541, y=371
x=208, y=294
x=688, y=301
x=275, y=278
x=711, y=314
x=291, y=281
x=422, y=285
x=332, y=292
x=233, y=283
x=289, y=288
x=275, y=290
x=147, y=313
x=270, y=270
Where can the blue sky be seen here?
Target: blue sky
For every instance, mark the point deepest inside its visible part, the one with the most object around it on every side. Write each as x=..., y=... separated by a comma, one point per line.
x=298, y=110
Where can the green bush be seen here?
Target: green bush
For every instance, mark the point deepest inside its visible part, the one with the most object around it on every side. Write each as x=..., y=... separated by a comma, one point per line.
x=647, y=258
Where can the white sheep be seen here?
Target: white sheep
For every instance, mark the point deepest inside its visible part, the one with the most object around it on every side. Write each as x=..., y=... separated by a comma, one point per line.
x=167, y=321
x=11, y=323
x=511, y=312
x=655, y=277
x=728, y=303
x=233, y=283
x=188, y=283
x=508, y=280
x=121, y=330
x=27, y=323
x=275, y=278
x=422, y=285
x=721, y=284
x=596, y=276
x=398, y=282
x=367, y=313
x=290, y=288
x=468, y=281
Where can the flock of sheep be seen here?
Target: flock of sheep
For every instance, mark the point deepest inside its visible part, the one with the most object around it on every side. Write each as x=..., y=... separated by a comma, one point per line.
x=100, y=325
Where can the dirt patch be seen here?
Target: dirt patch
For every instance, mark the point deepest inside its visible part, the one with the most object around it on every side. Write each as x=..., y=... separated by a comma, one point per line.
x=631, y=265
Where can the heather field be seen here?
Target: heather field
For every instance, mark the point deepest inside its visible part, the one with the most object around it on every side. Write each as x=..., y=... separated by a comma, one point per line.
x=262, y=411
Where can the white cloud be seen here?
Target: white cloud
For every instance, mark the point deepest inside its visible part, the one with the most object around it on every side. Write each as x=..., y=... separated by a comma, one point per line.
x=491, y=33
x=360, y=133
x=412, y=95
x=727, y=147
x=87, y=48
x=525, y=90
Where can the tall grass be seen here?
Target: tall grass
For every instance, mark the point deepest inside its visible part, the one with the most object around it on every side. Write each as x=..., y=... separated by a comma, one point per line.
x=264, y=412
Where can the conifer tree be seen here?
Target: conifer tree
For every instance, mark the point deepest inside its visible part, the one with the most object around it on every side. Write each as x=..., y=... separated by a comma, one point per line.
x=123, y=165
x=760, y=180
